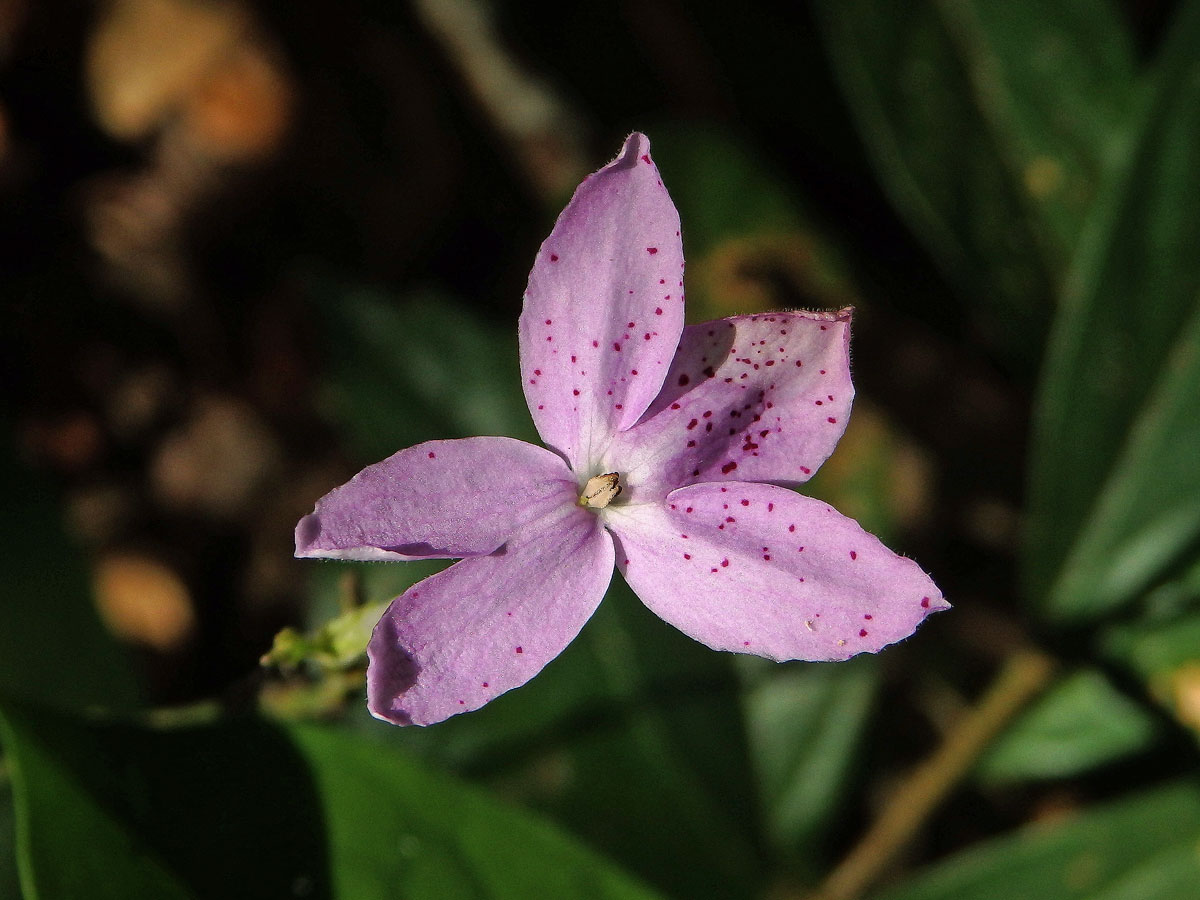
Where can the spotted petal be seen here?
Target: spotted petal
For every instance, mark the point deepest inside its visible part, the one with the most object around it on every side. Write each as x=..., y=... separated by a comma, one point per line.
x=750, y=398
x=488, y=624
x=436, y=500
x=755, y=568
x=604, y=308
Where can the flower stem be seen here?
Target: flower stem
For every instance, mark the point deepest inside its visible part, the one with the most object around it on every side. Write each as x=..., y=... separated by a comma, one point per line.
x=1023, y=676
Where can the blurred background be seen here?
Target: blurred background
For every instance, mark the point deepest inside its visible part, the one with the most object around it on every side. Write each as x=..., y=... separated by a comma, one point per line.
x=244, y=250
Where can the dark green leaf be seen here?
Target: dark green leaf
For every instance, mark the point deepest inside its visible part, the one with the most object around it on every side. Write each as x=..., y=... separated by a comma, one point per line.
x=53, y=648
x=248, y=809
x=749, y=243
x=1163, y=649
x=418, y=368
x=1113, y=499
x=1056, y=86
x=1082, y=722
x=397, y=830
x=721, y=188
x=990, y=126
x=1155, y=650
x=1146, y=515
x=117, y=811
x=10, y=885
x=632, y=739
x=804, y=724
x=1143, y=846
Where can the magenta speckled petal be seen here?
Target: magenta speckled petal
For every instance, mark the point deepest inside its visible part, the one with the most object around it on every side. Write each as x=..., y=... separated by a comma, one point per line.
x=751, y=398
x=672, y=451
x=755, y=568
x=488, y=624
x=438, y=499
x=604, y=308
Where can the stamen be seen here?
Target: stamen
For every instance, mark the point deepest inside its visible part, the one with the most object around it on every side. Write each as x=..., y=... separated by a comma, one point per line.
x=600, y=491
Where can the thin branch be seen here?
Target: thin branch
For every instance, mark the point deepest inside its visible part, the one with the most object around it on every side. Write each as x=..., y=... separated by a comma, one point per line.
x=1024, y=675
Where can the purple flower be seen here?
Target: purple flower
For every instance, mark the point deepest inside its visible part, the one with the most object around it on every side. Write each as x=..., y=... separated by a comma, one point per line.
x=671, y=453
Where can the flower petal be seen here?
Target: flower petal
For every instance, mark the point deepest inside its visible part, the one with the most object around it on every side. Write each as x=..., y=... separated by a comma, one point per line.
x=437, y=499
x=604, y=308
x=488, y=624
x=750, y=398
x=755, y=568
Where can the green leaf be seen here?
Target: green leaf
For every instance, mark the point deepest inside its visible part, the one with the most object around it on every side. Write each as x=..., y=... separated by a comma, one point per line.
x=750, y=245
x=1146, y=517
x=418, y=368
x=1056, y=85
x=396, y=829
x=805, y=722
x=53, y=648
x=990, y=126
x=1114, y=485
x=632, y=738
x=1155, y=650
x=1164, y=652
x=248, y=809
x=1082, y=722
x=117, y=812
x=721, y=187
x=10, y=885
x=1142, y=846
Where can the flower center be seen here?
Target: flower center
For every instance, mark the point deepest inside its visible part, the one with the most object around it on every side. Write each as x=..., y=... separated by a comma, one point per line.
x=600, y=491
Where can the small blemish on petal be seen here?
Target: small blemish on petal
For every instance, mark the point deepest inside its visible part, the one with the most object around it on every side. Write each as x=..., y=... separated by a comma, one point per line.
x=520, y=649
x=651, y=250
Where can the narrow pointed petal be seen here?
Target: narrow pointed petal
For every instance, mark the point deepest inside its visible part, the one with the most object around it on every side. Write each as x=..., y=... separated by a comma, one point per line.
x=488, y=624
x=441, y=499
x=750, y=398
x=755, y=568
x=604, y=307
